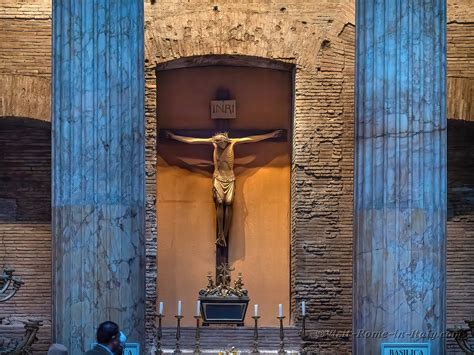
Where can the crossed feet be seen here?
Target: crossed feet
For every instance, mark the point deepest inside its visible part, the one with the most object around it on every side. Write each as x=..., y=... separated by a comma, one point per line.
x=221, y=240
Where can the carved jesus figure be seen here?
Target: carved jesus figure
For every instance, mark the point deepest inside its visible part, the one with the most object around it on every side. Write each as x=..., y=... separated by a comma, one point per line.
x=223, y=179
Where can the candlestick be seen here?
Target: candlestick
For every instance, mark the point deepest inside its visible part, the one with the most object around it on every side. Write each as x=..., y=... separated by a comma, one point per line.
x=303, y=336
x=282, y=336
x=255, y=310
x=198, y=308
x=179, y=308
x=255, y=334
x=303, y=330
x=280, y=310
x=177, y=349
x=159, y=335
x=161, y=308
x=197, y=337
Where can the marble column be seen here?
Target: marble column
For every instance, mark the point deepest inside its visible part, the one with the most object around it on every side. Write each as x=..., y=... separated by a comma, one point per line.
x=98, y=169
x=400, y=173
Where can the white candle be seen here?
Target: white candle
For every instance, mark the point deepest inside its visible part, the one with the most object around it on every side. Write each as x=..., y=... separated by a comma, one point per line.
x=255, y=310
x=303, y=308
x=198, y=308
x=280, y=310
x=179, y=308
x=161, y=308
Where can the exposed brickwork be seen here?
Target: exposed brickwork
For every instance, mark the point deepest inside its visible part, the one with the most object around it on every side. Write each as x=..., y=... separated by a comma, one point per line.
x=319, y=41
x=29, y=252
x=25, y=96
x=460, y=247
x=322, y=195
x=150, y=191
x=25, y=160
x=460, y=39
x=460, y=11
x=25, y=235
x=460, y=223
x=26, y=172
x=25, y=32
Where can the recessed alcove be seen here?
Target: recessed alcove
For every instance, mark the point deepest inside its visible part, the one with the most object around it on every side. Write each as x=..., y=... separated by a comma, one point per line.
x=259, y=239
x=25, y=225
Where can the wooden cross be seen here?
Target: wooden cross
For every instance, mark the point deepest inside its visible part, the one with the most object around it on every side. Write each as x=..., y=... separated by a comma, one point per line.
x=206, y=136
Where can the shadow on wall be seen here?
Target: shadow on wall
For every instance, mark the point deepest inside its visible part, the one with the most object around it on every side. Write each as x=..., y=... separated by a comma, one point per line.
x=460, y=246
x=460, y=168
x=25, y=225
x=25, y=176
x=198, y=159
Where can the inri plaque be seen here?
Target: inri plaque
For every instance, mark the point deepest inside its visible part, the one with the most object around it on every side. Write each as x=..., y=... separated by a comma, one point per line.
x=223, y=109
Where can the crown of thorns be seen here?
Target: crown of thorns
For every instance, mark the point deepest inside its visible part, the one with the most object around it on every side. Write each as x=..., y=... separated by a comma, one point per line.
x=225, y=134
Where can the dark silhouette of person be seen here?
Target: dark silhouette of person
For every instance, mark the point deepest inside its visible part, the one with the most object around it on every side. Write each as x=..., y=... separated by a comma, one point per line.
x=108, y=340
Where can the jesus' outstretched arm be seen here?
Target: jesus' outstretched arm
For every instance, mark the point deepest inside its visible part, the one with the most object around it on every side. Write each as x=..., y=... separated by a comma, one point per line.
x=258, y=138
x=189, y=140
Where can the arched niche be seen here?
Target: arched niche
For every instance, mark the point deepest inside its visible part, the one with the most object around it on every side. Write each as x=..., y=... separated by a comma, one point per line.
x=261, y=226
x=25, y=223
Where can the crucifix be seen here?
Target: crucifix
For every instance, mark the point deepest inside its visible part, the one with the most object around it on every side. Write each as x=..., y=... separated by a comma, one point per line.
x=223, y=179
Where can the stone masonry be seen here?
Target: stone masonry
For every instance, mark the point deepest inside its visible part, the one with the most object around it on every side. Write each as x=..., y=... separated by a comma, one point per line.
x=318, y=39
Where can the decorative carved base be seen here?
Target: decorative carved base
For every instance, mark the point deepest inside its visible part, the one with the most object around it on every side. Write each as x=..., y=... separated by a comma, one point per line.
x=221, y=303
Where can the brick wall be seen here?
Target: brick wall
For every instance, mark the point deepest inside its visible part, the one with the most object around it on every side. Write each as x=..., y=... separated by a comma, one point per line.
x=319, y=41
x=25, y=224
x=25, y=173
x=460, y=246
x=25, y=32
x=25, y=72
x=460, y=39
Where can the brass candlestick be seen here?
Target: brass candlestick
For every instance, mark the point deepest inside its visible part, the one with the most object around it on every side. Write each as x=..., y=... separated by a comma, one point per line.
x=197, y=345
x=282, y=337
x=177, y=349
x=159, y=335
x=255, y=335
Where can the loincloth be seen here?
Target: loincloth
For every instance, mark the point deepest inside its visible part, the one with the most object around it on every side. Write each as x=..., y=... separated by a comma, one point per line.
x=223, y=191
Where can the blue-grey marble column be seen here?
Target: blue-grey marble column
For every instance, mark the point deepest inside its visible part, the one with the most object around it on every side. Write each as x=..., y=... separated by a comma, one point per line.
x=400, y=173
x=98, y=169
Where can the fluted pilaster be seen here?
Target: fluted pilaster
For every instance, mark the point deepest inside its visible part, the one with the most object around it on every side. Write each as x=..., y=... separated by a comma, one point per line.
x=98, y=169
x=400, y=172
